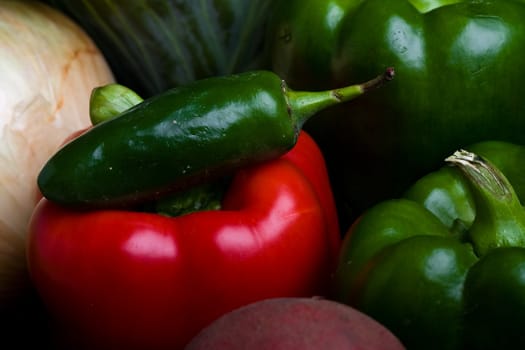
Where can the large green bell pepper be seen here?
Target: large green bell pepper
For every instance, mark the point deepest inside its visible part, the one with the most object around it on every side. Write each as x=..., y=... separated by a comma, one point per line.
x=444, y=266
x=459, y=82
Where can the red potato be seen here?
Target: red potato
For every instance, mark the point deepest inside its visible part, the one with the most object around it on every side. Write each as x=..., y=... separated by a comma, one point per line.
x=295, y=323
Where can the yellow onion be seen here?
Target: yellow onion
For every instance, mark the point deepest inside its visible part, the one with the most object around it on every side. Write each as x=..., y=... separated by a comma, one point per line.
x=48, y=68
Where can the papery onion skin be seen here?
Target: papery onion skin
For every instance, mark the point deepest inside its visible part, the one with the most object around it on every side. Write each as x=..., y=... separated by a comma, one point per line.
x=48, y=67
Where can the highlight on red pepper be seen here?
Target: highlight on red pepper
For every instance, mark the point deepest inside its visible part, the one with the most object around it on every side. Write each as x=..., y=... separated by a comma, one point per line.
x=140, y=280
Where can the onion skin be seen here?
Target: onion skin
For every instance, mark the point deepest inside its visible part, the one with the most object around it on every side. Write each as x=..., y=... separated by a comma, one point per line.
x=48, y=66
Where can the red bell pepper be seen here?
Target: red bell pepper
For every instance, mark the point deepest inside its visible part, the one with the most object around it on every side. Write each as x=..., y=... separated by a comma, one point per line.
x=133, y=280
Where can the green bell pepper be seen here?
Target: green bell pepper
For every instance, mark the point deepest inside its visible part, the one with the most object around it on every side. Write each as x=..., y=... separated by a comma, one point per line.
x=443, y=267
x=458, y=83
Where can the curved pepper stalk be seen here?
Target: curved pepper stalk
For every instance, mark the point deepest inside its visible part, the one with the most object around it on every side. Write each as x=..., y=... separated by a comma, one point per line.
x=500, y=219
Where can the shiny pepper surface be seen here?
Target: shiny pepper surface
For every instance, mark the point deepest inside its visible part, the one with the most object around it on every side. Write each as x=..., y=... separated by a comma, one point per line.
x=458, y=82
x=444, y=266
x=123, y=279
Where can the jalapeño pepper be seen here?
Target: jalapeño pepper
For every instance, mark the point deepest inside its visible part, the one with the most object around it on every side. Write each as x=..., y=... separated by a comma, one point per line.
x=184, y=136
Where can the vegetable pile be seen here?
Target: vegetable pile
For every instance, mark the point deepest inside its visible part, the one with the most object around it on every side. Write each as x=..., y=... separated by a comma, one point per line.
x=233, y=174
x=277, y=213
x=144, y=280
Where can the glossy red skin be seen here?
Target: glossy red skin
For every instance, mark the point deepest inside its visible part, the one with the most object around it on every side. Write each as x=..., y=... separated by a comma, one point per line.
x=129, y=280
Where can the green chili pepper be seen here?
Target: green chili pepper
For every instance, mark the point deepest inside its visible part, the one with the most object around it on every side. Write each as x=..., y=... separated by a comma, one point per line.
x=185, y=136
x=109, y=101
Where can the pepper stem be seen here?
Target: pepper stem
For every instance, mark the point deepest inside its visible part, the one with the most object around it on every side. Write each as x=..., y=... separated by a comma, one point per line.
x=108, y=101
x=304, y=104
x=500, y=219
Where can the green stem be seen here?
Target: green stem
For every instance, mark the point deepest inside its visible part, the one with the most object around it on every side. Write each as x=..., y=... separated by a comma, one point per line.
x=304, y=104
x=500, y=219
x=207, y=196
x=108, y=101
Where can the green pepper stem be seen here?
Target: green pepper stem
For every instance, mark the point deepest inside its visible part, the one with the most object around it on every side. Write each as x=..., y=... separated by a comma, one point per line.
x=108, y=101
x=304, y=104
x=500, y=219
